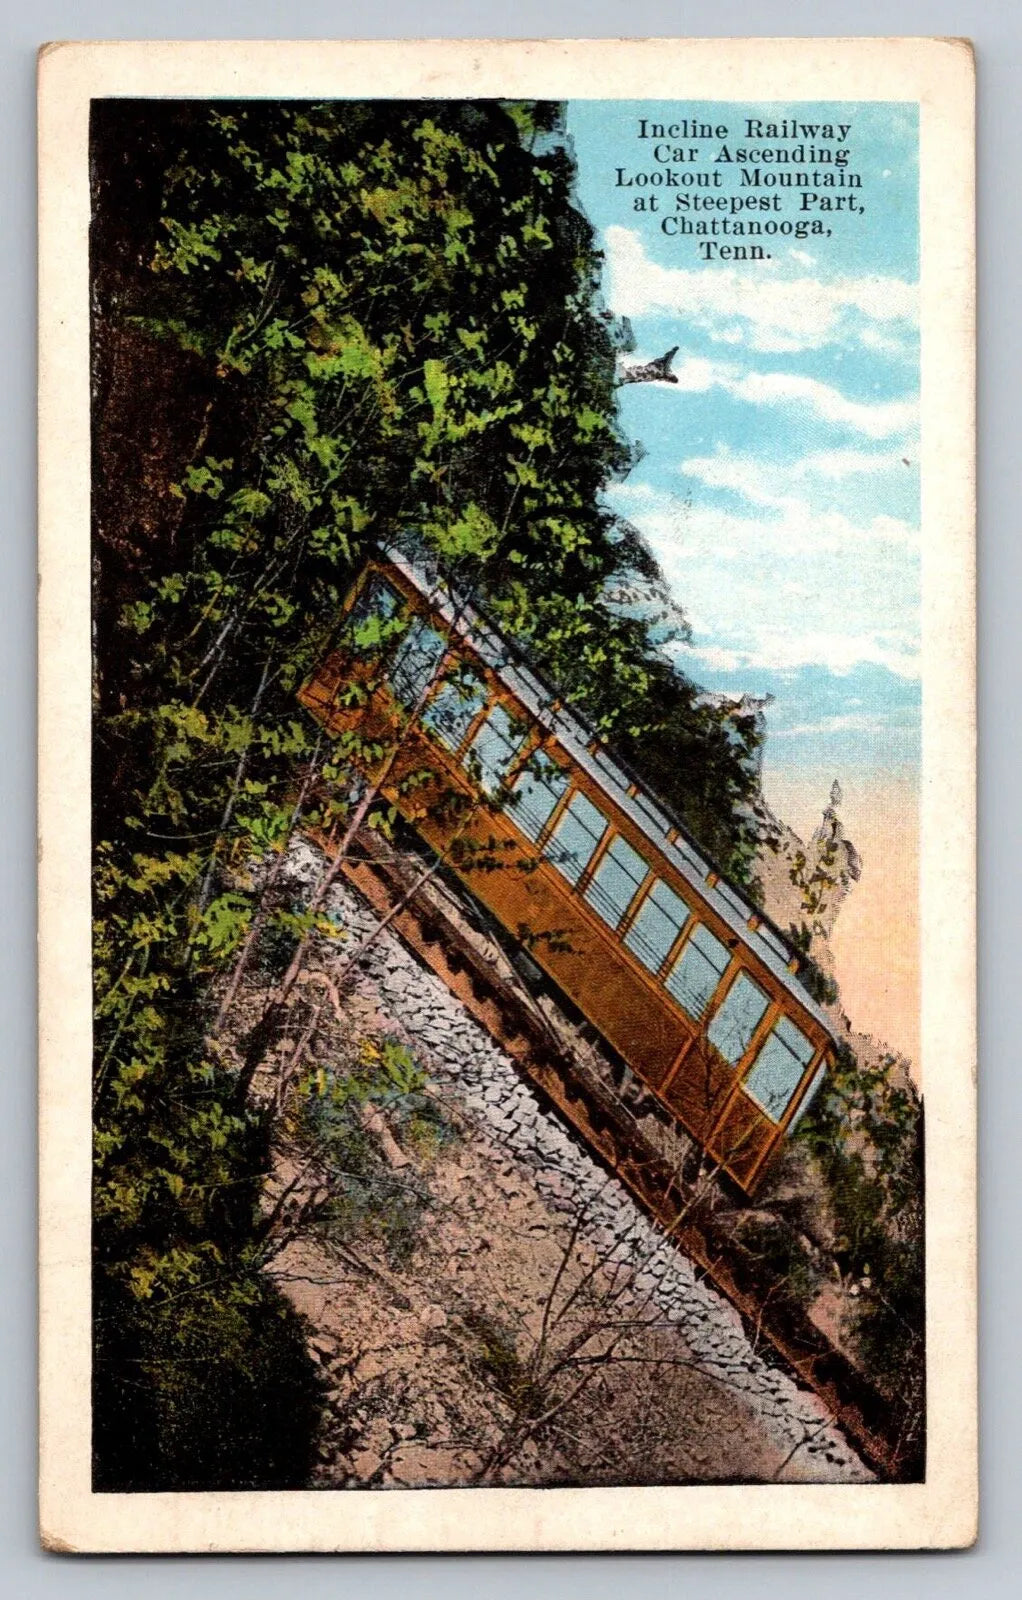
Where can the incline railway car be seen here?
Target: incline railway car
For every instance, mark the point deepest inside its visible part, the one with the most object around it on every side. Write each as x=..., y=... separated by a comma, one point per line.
x=678, y=971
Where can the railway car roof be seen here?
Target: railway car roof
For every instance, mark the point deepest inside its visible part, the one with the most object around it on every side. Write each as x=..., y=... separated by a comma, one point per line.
x=648, y=815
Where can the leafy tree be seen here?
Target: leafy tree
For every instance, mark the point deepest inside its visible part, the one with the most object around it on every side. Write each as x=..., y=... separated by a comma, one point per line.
x=866, y=1135
x=315, y=326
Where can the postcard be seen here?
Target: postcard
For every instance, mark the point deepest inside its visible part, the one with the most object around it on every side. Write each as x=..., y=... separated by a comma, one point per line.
x=507, y=752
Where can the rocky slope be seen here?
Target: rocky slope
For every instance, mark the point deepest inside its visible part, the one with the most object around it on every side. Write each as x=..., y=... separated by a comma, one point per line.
x=534, y=1326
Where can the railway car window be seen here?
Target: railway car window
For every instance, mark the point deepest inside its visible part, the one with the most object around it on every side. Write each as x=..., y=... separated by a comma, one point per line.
x=378, y=603
x=778, y=1068
x=697, y=971
x=453, y=708
x=534, y=794
x=613, y=885
x=656, y=925
x=810, y=1095
x=418, y=657
x=737, y=1018
x=570, y=847
x=494, y=748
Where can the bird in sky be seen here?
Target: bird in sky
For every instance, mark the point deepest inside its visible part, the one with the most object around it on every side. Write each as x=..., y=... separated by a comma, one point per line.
x=658, y=371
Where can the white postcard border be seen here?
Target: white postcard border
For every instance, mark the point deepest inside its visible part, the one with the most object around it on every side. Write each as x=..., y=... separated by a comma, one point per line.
x=942, y=1511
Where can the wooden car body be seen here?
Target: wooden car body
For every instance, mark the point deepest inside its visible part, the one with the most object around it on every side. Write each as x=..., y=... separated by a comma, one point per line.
x=674, y=968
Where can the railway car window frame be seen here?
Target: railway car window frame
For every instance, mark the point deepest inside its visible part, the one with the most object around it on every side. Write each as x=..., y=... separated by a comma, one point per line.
x=636, y=940
x=773, y=1079
x=454, y=707
x=574, y=816
x=730, y=1032
x=490, y=776
x=815, y=1084
x=553, y=782
x=611, y=875
x=408, y=682
x=695, y=971
x=367, y=607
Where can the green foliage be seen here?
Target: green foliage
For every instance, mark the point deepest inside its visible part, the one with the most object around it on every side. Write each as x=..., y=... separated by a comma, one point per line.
x=814, y=980
x=866, y=1135
x=368, y=1198
x=493, y=1351
x=220, y=1393
x=316, y=325
x=385, y=1074
x=786, y=1264
x=816, y=881
x=275, y=946
x=816, y=983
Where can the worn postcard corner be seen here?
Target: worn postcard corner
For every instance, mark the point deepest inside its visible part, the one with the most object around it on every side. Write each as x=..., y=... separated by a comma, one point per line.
x=506, y=789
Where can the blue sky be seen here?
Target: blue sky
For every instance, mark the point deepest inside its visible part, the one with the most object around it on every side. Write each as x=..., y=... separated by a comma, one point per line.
x=780, y=484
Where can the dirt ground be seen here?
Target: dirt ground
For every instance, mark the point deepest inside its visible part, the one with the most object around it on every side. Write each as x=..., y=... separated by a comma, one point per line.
x=506, y=1349
x=472, y=1321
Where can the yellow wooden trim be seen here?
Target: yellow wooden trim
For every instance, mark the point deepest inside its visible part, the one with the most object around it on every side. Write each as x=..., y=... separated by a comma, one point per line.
x=752, y=1049
x=526, y=750
x=673, y=956
x=725, y=983
x=676, y=1066
x=550, y=825
x=603, y=844
x=636, y=904
x=661, y=865
x=579, y=782
x=781, y=1128
x=473, y=727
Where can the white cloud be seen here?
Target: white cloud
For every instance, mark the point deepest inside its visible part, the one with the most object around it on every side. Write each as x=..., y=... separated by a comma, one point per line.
x=778, y=312
x=836, y=464
x=792, y=486
x=743, y=475
x=715, y=658
x=882, y=343
x=786, y=585
x=773, y=388
x=846, y=722
x=696, y=374
x=882, y=419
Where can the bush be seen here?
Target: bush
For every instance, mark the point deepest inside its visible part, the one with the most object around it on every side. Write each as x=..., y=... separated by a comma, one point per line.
x=866, y=1136
x=210, y=1390
x=367, y=1196
x=783, y=1258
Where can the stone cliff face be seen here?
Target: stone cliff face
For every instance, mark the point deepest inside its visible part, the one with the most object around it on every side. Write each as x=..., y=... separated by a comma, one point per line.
x=834, y=856
x=806, y=884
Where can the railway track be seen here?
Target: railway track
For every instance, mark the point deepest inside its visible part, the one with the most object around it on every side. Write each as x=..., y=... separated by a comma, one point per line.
x=598, y=1116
